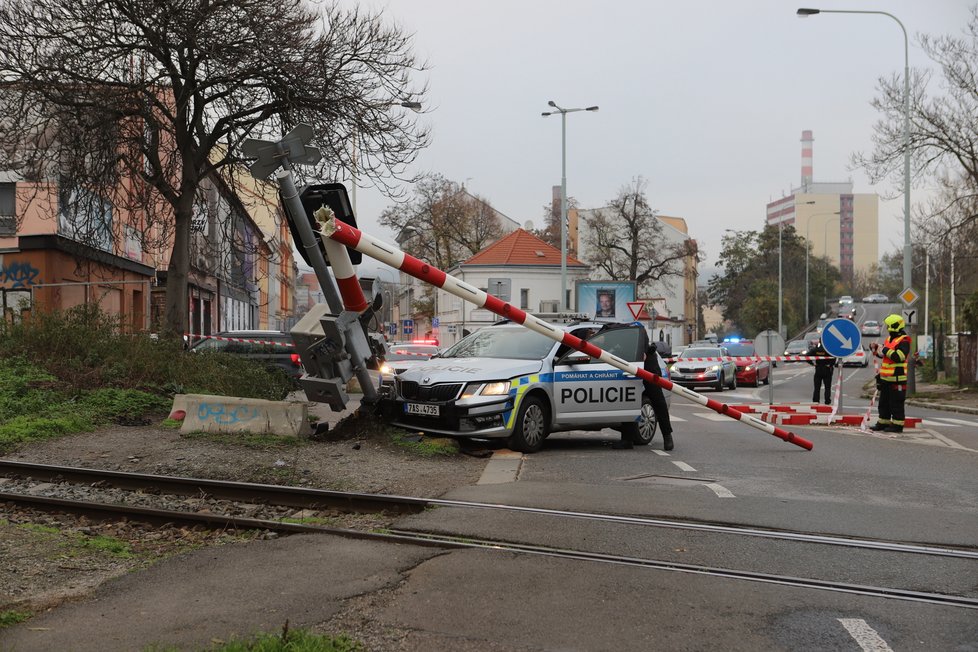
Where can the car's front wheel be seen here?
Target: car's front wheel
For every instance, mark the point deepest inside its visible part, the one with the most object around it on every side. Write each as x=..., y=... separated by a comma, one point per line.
x=642, y=431
x=720, y=383
x=531, y=426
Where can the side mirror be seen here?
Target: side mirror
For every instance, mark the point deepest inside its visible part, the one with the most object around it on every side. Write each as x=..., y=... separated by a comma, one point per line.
x=576, y=358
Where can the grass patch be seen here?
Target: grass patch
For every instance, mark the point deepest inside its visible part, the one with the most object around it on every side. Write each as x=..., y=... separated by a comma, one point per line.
x=311, y=520
x=425, y=446
x=259, y=441
x=74, y=371
x=290, y=640
x=171, y=424
x=78, y=543
x=12, y=617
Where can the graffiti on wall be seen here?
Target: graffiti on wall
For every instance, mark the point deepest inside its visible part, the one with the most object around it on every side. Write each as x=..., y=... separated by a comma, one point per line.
x=18, y=274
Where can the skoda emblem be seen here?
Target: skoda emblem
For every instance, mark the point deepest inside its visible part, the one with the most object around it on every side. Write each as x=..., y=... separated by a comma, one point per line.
x=426, y=380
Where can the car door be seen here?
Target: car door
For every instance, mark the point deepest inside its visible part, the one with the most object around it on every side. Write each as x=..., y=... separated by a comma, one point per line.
x=588, y=391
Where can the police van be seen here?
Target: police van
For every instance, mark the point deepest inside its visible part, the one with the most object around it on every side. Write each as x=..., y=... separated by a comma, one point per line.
x=506, y=381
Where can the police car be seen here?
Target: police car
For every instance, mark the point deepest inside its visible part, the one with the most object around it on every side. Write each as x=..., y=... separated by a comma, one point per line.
x=506, y=381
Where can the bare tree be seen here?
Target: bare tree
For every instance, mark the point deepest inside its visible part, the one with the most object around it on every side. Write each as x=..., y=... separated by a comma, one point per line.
x=943, y=129
x=134, y=104
x=443, y=223
x=625, y=240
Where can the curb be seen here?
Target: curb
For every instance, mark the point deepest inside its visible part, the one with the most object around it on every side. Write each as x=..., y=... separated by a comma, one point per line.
x=964, y=409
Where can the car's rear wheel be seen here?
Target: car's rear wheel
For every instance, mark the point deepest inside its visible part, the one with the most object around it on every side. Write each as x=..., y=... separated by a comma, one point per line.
x=642, y=431
x=531, y=426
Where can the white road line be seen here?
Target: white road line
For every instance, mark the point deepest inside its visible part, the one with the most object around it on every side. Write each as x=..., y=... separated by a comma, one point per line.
x=712, y=416
x=720, y=490
x=684, y=466
x=672, y=418
x=937, y=422
x=662, y=453
x=952, y=421
x=865, y=636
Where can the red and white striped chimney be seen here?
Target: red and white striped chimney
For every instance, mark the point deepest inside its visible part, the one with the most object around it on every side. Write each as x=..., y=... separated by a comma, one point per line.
x=806, y=158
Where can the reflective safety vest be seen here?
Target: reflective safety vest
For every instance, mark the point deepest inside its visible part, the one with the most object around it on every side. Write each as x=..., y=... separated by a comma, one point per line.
x=893, y=369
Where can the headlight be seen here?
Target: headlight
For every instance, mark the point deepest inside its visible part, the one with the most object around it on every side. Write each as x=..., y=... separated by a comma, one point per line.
x=494, y=388
x=672, y=368
x=715, y=367
x=386, y=369
x=748, y=368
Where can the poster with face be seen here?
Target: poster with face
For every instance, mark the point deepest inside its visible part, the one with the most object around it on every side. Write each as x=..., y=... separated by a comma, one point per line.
x=605, y=299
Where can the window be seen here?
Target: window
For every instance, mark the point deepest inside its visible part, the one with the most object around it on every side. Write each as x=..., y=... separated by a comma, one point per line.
x=8, y=217
x=525, y=298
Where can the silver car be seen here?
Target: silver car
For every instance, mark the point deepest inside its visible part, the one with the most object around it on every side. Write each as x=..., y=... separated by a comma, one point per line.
x=506, y=381
x=702, y=366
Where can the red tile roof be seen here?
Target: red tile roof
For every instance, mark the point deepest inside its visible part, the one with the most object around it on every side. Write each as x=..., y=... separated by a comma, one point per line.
x=520, y=248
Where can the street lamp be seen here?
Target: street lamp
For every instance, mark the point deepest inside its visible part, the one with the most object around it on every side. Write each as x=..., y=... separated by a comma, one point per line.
x=414, y=106
x=563, y=194
x=804, y=13
x=808, y=227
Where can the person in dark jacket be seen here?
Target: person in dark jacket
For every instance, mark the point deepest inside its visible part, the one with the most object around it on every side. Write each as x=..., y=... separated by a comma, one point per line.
x=823, y=371
x=658, y=399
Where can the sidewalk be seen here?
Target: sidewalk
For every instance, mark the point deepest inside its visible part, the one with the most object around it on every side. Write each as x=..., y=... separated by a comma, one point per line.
x=945, y=397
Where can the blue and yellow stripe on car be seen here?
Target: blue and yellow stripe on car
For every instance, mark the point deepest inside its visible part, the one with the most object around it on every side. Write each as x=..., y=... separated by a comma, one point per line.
x=517, y=389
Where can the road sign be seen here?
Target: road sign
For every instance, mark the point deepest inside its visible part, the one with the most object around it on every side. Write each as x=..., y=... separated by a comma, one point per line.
x=435, y=322
x=909, y=297
x=392, y=328
x=908, y=316
x=636, y=308
x=841, y=337
x=407, y=326
x=768, y=343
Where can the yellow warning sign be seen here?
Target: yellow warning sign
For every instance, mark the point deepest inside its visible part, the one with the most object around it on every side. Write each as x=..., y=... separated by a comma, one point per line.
x=909, y=297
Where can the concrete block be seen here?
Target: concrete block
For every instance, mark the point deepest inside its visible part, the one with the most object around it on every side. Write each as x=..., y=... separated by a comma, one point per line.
x=208, y=413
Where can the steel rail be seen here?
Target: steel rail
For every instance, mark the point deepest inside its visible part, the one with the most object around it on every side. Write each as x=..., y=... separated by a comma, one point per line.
x=305, y=497
x=103, y=510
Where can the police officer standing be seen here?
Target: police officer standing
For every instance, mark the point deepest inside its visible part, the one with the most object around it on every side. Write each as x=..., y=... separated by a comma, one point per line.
x=892, y=379
x=658, y=399
x=823, y=371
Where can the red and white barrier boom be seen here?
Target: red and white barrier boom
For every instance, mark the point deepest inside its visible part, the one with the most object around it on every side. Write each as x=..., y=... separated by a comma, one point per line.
x=355, y=239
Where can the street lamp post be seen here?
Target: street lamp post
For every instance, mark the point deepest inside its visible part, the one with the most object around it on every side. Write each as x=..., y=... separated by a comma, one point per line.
x=563, y=193
x=803, y=13
x=808, y=227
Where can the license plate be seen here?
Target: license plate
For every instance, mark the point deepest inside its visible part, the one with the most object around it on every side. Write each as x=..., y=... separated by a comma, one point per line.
x=423, y=409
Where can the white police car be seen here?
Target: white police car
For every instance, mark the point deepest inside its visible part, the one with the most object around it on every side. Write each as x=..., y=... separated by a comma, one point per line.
x=506, y=381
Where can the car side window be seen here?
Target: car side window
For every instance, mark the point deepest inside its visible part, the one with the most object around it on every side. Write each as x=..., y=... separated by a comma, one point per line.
x=622, y=342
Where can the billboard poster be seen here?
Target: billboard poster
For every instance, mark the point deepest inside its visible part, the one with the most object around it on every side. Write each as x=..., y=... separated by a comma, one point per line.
x=605, y=299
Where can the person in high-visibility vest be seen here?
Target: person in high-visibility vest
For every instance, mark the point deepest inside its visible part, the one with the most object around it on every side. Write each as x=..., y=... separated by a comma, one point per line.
x=892, y=378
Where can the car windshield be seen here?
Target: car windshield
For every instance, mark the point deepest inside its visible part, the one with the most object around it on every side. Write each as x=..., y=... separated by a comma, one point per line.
x=519, y=343
x=399, y=353
x=795, y=347
x=701, y=353
x=871, y=323
x=741, y=350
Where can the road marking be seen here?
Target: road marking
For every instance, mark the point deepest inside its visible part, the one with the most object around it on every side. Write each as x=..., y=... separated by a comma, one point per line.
x=672, y=418
x=712, y=416
x=684, y=466
x=951, y=421
x=662, y=453
x=865, y=636
x=720, y=490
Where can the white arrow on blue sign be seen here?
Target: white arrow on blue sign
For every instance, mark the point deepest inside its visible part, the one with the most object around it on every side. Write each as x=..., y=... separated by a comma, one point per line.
x=841, y=337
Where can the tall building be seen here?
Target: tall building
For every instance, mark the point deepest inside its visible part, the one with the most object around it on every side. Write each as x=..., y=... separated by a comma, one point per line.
x=839, y=223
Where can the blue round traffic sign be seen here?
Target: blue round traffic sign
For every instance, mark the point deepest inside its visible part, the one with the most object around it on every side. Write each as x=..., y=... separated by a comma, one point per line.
x=841, y=337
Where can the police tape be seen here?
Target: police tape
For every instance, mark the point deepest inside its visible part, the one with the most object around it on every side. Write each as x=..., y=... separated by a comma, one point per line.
x=197, y=336
x=401, y=352
x=756, y=358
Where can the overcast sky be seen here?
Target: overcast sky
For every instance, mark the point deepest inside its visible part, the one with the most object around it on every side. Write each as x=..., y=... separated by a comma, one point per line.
x=704, y=99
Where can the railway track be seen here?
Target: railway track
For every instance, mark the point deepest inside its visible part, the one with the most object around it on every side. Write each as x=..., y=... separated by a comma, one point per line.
x=38, y=482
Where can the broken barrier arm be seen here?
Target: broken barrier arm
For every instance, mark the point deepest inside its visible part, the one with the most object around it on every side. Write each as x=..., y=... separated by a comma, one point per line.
x=365, y=244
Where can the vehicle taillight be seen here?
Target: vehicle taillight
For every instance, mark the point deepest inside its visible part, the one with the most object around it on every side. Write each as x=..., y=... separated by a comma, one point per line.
x=295, y=360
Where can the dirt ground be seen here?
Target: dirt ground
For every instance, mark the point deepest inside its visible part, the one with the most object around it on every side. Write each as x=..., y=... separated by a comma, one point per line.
x=49, y=559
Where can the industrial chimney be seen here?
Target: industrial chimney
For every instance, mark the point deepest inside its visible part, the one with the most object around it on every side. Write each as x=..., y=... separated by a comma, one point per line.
x=806, y=159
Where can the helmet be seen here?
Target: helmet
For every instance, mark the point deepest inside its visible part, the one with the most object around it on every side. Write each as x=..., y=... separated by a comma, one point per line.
x=894, y=323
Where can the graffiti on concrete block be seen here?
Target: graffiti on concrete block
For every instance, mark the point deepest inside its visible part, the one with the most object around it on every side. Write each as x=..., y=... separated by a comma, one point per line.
x=18, y=274
x=225, y=414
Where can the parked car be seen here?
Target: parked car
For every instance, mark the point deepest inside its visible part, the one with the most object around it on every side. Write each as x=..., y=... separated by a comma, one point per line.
x=403, y=356
x=274, y=348
x=858, y=358
x=690, y=371
x=749, y=373
x=796, y=347
x=506, y=381
x=871, y=327
x=876, y=298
